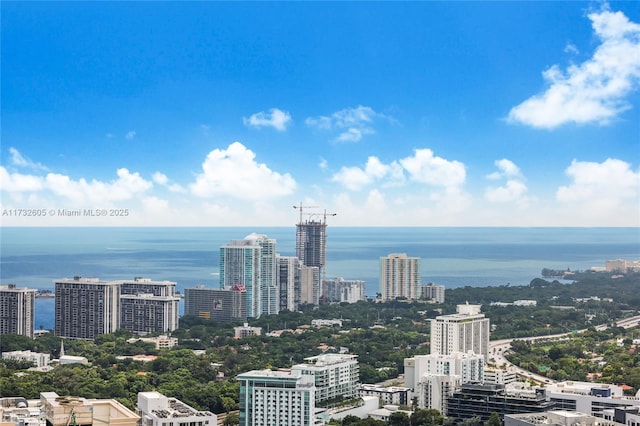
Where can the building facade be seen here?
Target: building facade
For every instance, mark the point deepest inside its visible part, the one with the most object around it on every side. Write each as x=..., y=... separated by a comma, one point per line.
x=482, y=400
x=288, y=282
x=386, y=394
x=216, y=304
x=399, y=277
x=432, y=292
x=17, y=310
x=336, y=375
x=155, y=409
x=467, y=330
x=86, y=307
x=141, y=285
x=339, y=290
x=310, y=288
x=251, y=262
x=36, y=358
x=283, y=398
x=148, y=306
x=146, y=313
x=434, y=377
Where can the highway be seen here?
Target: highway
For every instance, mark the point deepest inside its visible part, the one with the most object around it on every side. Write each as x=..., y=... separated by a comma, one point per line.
x=498, y=348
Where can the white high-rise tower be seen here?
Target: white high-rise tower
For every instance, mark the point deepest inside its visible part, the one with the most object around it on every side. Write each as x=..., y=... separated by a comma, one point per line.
x=252, y=263
x=467, y=330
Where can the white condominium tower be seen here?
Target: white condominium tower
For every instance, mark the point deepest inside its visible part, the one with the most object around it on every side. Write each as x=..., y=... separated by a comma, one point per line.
x=282, y=398
x=86, y=307
x=467, y=330
x=17, y=310
x=148, y=306
x=335, y=375
x=252, y=263
x=399, y=277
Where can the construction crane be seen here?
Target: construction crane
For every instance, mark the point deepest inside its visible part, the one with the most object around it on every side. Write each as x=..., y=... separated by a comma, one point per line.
x=301, y=207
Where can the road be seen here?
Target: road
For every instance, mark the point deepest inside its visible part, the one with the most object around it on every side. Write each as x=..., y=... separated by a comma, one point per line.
x=498, y=348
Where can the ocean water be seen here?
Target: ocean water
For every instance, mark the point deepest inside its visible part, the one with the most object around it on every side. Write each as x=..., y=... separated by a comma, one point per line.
x=453, y=257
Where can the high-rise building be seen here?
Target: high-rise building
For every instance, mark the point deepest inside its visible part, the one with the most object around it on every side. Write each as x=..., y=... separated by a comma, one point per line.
x=336, y=375
x=141, y=285
x=252, y=263
x=469, y=366
x=283, y=398
x=466, y=330
x=434, y=377
x=432, y=292
x=240, y=264
x=86, y=307
x=216, y=304
x=310, y=289
x=339, y=290
x=148, y=306
x=288, y=281
x=146, y=313
x=17, y=311
x=311, y=243
x=399, y=277
x=311, y=238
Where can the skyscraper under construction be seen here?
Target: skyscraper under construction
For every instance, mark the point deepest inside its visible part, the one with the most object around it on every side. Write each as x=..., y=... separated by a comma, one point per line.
x=311, y=242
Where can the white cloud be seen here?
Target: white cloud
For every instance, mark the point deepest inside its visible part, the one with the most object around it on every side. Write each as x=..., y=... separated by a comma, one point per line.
x=234, y=172
x=323, y=164
x=275, y=118
x=610, y=181
x=127, y=186
x=514, y=189
x=606, y=193
x=19, y=160
x=163, y=180
x=506, y=168
x=17, y=182
x=351, y=135
x=571, y=48
x=594, y=91
x=160, y=178
x=424, y=167
x=130, y=135
x=355, y=178
x=351, y=123
x=511, y=191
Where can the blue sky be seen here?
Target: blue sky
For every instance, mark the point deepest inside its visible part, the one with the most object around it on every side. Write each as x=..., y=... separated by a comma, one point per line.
x=386, y=113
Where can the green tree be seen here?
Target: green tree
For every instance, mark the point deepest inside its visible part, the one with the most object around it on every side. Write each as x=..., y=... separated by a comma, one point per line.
x=399, y=419
x=430, y=417
x=232, y=419
x=494, y=420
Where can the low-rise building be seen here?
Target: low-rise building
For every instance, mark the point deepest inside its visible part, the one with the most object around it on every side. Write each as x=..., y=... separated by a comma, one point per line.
x=156, y=409
x=384, y=413
x=246, y=331
x=472, y=400
x=38, y=359
x=589, y=398
x=499, y=376
x=386, y=394
x=556, y=417
x=160, y=342
x=339, y=290
x=432, y=292
x=63, y=411
x=18, y=411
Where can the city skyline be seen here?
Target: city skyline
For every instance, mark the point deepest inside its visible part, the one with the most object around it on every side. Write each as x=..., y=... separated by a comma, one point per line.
x=407, y=114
